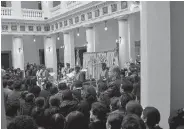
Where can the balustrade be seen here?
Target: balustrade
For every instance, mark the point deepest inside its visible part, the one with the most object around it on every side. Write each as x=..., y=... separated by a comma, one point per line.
x=6, y=11
x=32, y=13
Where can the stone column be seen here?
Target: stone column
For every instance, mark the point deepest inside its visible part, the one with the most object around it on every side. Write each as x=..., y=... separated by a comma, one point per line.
x=155, y=58
x=50, y=53
x=17, y=10
x=18, y=52
x=134, y=34
x=123, y=44
x=90, y=38
x=69, y=52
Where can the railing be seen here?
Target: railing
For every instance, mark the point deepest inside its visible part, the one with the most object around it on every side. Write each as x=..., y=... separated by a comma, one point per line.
x=6, y=11
x=32, y=13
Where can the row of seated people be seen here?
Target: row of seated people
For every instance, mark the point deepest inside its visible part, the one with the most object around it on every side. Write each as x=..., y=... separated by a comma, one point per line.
x=110, y=105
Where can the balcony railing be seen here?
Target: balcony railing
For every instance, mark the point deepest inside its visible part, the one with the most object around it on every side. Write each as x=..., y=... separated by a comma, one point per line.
x=32, y=13
x=6, y=11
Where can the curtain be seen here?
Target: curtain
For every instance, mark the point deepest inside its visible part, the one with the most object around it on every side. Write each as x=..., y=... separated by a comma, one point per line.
x=92, y=62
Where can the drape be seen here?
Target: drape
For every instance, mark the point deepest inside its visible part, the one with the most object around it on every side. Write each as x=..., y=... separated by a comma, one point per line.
x=92, y=62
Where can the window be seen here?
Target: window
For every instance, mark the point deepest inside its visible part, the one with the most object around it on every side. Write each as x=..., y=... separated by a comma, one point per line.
x=3, y=3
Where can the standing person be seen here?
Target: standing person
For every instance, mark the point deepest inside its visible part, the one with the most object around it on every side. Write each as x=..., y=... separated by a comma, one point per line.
x=78, y=74
x=104, y=73
x=67, y=69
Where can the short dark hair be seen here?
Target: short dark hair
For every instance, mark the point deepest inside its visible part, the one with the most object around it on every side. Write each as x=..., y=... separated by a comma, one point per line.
x=23, y=94
x=133, y=107
x=99, y=110
x=48, y=85
x=54, y=101
x=62, y=86
x=132, y=121
x=22, y=122
x=35, y=90
x=76, y=120
x=17, y=85
x=40, y=102
x=53, y=90
x=115, y=119
x=152, y=116
x=29, y=97
x=127, y=87
x=57, y=121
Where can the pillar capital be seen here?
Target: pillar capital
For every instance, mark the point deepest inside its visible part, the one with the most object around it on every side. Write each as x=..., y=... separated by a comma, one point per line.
x=17, y=36
x=123, y=17
x=90, y=26
x=65, y=32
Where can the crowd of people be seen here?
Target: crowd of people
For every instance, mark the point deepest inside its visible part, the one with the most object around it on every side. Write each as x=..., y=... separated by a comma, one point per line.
x=112, y=103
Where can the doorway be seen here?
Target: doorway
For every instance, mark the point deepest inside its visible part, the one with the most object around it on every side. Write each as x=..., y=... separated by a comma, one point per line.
x=81, y=51
x=6, y=59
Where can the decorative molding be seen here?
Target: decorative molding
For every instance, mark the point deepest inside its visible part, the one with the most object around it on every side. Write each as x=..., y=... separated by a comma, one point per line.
x=83, y=16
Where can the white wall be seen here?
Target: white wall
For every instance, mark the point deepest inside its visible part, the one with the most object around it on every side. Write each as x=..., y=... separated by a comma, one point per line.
x=31, y=49
x=106, y=40
x=80, y=40
x=177, y=53
x=29, y=4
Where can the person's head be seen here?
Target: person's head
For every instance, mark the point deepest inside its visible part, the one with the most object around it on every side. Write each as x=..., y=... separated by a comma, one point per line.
x=114, y=120
x=77, y=69
x=89, y=93
x=133, y=107
x=53, y=90
x=104, y=98
x=98, y=111
x=62, y=86
x=67, y=95
x=17, y=85
x=132, y=121
x=113, y=90
x=54, y=101
x=126, y=87
x=40, y=102
x=29, y=98
x=22, y=122
x=75, y=120
x=57, y=121
x=103, y=66
x=12, y=108
x=114, y=103
x=151, y=116
x=114, y=72
x=35, y=90
x=124, y=99
x=101, y=87
x=23, y=94
x=68, y=65
x=48, y=85
x=77, y=85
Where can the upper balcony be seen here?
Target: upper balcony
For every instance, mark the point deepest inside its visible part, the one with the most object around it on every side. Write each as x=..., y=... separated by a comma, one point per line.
x=45, y=10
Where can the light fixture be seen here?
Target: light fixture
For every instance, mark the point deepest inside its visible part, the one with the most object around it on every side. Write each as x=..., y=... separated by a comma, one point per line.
x=118, y=40
x=58, y=37
x=49, y=48
x=62, y=46
x=20, y=49
x=78, y=32
x=34, y=39
x=105, y=26
x=86, y=44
